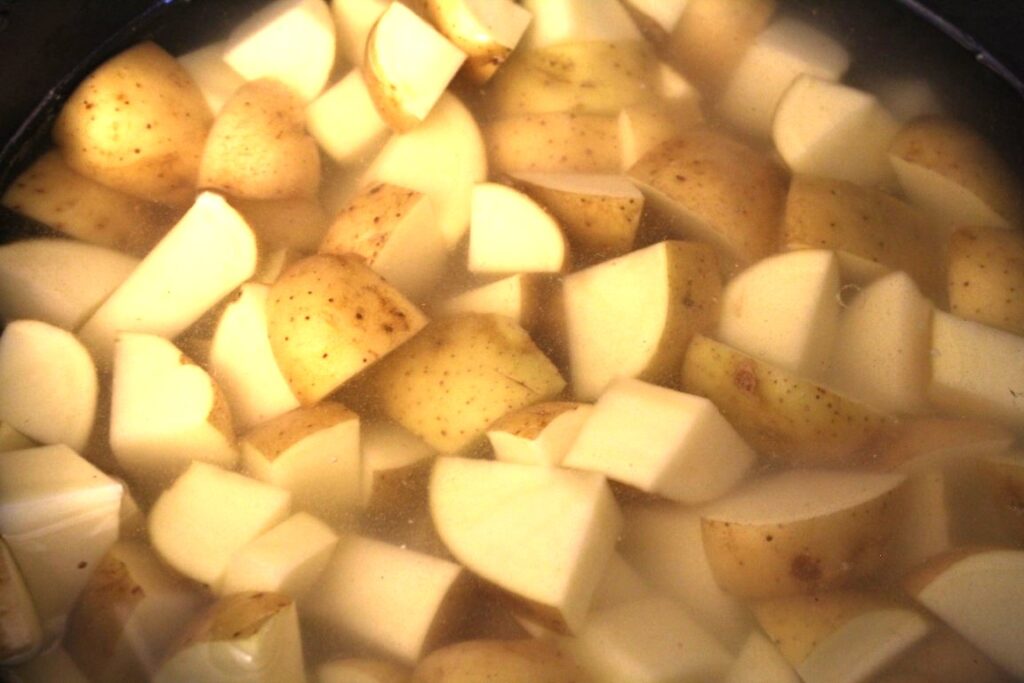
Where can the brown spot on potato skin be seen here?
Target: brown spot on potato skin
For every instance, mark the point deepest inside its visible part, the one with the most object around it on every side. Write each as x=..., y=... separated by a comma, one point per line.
x=745, y=377
x=806, y=568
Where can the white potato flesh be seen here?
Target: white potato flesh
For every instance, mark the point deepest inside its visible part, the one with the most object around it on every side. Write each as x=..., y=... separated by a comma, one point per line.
x=882, y=347
x=661, y=441
x=59, y=515
x=487, y=30
x=665, y=12
x=782, y=52
x=207, y=515
x=541, y=434
x=511, y=233
x=58, y=281
x=165, y=412
x=345, y=121
x=785, y=311
x=826, y=129
x=20, y=633
x=389, y=598
x=286, y=559
x=649, y=641
x=977, y=370
x=243, y=364
x=443, y=157
x=48, y=384
x=759, y=661
x=291, y=41
x=565, y=21
x=542, y=534
x=393, y=460
x=353, y=20
x=207, y=254
x=517, y=297
x=216, y=80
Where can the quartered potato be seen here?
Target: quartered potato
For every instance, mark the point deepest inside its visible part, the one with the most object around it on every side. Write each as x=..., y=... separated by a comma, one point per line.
x=985, y=276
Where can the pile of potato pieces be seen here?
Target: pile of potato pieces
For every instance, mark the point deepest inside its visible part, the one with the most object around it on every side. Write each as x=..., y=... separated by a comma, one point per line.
x=677, y=390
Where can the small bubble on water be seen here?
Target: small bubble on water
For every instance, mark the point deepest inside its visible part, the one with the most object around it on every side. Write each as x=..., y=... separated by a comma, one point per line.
x=847, y=293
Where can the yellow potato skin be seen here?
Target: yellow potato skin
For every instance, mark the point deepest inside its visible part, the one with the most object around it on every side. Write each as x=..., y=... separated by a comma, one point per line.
x=780, y=415
x=276, y=436
x=985, y=277
x=137, y=124
x=498, y=661
x=555, y=142
x=365, y=225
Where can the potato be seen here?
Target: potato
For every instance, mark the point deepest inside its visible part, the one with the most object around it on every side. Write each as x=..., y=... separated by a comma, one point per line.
x=487, y=32
x=584, y=78
x=498, y=661
x=870, y=224
x=138, y=124
x=291, y=223
x=330, y=317
x=51, y=193
x=258, y=147
x=461, y=374
x=520, y=297
x=778, y=413
x=708, y=186
x=985, y=277
x=554, y=142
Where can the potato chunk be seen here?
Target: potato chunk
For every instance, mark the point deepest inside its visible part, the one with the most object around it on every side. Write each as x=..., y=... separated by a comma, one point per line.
x=138, y=124
x=329, y=318
x=461, y=374
x=985, y=276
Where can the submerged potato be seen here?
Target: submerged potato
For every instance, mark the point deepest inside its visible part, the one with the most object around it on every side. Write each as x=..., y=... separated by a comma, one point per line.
x=985, y=276
x=498, y=661
x=555, y=142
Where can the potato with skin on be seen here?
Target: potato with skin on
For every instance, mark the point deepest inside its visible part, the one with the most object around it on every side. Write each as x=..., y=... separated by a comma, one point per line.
x=985, y=277
x=329, y=318
x=79, y=207
x=778, y=413
x=541, y=434
x=353, y=20
x=137, y=124
x=556, y=142
x=486, y=30
x=802, y=531
x=352, y=670
x=499, y=661
x=454, y=379
x=258, y=147
x=20, y=633
x=956, y=175
x=711, y=187
x=643, y=127
x=291, y=223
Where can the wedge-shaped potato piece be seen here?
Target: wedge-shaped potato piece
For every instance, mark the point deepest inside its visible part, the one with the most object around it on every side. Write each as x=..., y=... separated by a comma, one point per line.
x=599, y=214
x=785, y=310
x=51, y=193
x=956, y=175
x=759, y=661
x=13, y=440
x=314, y=453
x=397, y=601
x=207, y=254
x=664, y=542
x=711, y=37
x=826, y=129
x=57, y=528
x=498, y=661
x=443, y=157
x=609, y=336
x=648, y=640
x=486, y=30
x=459, y=375
x=243, y=364
x=511, y=233
x=985, y=276
x=166, y=412
x=258, y=147
x=661, y=441
x=395, y=230
x=353, y=20
x=540, y=434
x=207, y=515
x=869, y=224
x=344, y=119
x=216, y=80
x=579, y=77
x=395, y=468
x=944, y=657
x=329, y=317
x=290, y=41
x=48, y=384
x=297, y=224
x=519, y=297
x=976, y=370
x=978, y=592
x=242, y=637
x=713, y=188
x=129, y=613
x=780, y=54
x=541, y=534
x=351, y=670
x=800, y=532
x=58, y=281
x=20, y=634
x=137, y=124
x=557, y=142
x=846, y=637
x=286, y=559
x=1005, y=477
x=643, y=127
x=556, y=22
x=408, y=66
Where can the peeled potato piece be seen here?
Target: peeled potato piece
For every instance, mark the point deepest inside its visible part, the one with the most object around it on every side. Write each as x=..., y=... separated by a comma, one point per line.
x=985, y=276
x=486, y=30
x=498, y=661
x=344, y=119
x=137, y=124
x=644, y=127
